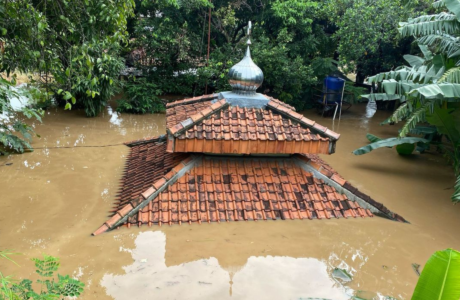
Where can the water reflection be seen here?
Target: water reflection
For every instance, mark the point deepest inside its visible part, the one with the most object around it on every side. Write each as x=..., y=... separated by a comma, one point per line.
x=262, y=277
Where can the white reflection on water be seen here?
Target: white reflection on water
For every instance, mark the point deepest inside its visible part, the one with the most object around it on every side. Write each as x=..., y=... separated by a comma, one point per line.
x=260, y=278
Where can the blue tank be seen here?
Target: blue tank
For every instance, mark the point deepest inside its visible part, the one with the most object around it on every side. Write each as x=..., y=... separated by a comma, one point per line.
x=332, y=88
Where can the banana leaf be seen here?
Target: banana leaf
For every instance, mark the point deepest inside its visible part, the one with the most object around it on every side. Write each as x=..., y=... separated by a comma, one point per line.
x=456, y=196
x=372, y=138
x=389, y=86
x=423, y=130
x=453, y=6
x=380, y=97
x=444, y=90
x=388, y=143
x=414, y=61
x=426, y=52
x=445, y=123
x=440, y=278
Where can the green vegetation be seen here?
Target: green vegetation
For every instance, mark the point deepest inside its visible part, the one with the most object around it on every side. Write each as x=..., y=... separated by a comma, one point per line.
x=295, y=42
x=430, y=87
x=73, y=45
x=12, y=120
x=440, y=278
x=141, y=97
x=49, y=287
x=75, y=48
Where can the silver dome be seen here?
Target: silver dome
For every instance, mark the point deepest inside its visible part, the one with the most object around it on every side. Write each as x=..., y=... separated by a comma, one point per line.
x=246, y=77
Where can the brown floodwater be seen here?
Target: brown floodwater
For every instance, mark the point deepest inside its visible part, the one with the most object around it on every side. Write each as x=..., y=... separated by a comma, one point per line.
x=53, y=198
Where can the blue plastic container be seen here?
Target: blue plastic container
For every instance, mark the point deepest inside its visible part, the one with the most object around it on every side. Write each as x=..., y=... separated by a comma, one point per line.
x=334, y=83
x=332, y=88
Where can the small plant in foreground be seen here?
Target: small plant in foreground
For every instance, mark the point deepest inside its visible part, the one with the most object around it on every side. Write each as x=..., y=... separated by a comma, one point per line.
x=49, y=286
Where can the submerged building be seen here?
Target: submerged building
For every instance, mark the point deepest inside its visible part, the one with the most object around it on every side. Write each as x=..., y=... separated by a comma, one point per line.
x=236, y=156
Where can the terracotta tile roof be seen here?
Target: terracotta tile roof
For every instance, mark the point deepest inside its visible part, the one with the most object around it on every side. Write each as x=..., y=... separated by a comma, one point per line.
x=320, y=165
x=216, y=189
x=281, y=103
x=147, y=162
x=232, y=129
x=192, y=100
x=200, y=125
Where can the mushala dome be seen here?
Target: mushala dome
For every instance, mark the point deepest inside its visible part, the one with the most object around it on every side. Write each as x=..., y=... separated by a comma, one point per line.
x=245, y=77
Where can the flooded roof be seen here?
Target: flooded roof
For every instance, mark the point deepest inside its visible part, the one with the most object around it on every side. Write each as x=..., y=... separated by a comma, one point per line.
x=173, y=188
x=231, y=124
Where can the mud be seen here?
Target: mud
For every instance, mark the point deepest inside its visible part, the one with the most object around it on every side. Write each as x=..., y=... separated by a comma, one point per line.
x=53, y=198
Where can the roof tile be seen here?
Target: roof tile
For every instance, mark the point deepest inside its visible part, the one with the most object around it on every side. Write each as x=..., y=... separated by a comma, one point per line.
x=224, y=194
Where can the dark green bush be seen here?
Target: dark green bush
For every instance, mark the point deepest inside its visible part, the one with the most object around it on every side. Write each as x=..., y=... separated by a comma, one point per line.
x=141, y=97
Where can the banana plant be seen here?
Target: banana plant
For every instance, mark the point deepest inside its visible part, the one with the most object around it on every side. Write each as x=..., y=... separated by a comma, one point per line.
x=429, y=87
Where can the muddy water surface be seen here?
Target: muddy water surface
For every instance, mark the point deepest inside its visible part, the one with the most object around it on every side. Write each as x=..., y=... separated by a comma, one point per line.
x=52, y=199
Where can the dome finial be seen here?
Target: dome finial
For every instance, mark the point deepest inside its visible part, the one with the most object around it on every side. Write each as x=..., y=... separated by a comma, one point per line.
x=245, y=77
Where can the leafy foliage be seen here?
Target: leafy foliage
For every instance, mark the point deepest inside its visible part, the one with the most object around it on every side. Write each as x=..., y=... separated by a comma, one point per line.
x=430, y=87
x=390, y=142
x=74, y=45
x=141, y=97
x=295, y=42
x=12, y=120
x=366, y=34
x=49, y=286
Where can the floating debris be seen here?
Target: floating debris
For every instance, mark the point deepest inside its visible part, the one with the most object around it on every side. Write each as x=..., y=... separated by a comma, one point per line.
x=416, y=268
x=342, y=274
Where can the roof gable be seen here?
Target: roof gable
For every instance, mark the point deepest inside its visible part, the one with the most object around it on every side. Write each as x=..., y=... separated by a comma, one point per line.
x=217, y=127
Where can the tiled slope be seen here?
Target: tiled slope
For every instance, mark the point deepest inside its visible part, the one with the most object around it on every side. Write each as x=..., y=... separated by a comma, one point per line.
x=219, y=128
x=232, y=129
x=316, y=162
x=147, y=162
x=225, y=189
x=228, y=189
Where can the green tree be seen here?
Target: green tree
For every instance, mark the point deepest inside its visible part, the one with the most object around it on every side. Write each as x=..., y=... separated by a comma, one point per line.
x=366, y=32
x=74, y=45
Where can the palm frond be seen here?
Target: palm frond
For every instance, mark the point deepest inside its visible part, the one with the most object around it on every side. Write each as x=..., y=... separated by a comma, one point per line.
x=451, y=76
x=430, y=24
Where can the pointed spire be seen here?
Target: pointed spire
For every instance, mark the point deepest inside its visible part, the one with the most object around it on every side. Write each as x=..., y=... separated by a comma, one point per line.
x=245, y=77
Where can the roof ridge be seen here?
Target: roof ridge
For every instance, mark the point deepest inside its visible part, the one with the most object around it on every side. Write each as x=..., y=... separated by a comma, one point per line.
x=278, y=101
x=177, y=129
x=191, y=100
x=336, y=179
x=146, y=140
x=149, y=195
x=287, y=112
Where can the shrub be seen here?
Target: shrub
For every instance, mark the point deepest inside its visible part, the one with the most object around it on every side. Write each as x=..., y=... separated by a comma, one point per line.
x=141, y=97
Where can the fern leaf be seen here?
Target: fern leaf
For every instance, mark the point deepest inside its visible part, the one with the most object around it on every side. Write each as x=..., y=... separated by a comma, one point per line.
x=46, y=266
